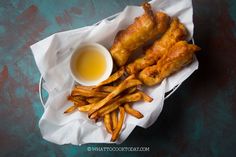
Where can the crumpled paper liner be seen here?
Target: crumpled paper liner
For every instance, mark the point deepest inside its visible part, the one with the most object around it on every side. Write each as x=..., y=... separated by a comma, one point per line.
x=52, y=58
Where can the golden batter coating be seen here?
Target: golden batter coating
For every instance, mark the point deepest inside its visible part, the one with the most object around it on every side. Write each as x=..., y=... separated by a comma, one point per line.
x=176, y=58
x=146, y=27
x=175, y=33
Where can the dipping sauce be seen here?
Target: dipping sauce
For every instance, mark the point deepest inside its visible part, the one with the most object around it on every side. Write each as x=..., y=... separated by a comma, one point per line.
x=90, y=64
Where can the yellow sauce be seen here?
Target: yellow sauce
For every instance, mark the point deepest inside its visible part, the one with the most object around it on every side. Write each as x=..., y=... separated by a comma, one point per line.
x=90, y=64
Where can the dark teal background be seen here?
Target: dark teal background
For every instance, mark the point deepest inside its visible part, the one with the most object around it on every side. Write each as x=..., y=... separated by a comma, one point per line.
x=198, y=120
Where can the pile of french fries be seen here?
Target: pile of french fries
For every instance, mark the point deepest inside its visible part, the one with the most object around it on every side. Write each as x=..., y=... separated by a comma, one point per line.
x=109, y=101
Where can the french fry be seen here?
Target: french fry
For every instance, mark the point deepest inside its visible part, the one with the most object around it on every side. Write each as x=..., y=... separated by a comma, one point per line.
x=113, y=77
x=93, y=100
x=105, y=110
x=107, y=122
x=107, y=89
x=95, y=115
x=128, y=98
x=79, y=97
x=113, y=106
x=84, y=87
x=131, y=98
x=71, y=109
x=85, y=108
x=146, y=97
x=127, y=83
x=132, y=111
x=114, y=119
x=131, y=90
x=88, y=93
x=116, y=132
x=76, y=100
x=95, y=88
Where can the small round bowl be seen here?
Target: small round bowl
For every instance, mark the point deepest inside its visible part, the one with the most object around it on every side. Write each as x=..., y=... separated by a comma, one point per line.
x=101, y=49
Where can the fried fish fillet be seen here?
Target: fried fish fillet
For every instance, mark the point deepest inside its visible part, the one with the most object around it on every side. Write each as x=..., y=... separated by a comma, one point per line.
x=175, y=33
x=176, y=58
x=146, y=27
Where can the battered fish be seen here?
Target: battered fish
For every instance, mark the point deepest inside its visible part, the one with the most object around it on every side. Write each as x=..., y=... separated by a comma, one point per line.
x=176, y=58
x=146, y=27
x=175, y=33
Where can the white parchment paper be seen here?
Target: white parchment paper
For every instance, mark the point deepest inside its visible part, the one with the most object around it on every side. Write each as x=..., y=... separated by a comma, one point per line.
x=52, y=58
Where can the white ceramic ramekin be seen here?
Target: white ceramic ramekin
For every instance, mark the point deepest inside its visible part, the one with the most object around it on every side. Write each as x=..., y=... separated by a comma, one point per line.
x=101, y=49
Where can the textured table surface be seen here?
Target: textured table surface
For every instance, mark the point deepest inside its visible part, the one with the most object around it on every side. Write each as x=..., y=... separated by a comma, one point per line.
x=198, y=120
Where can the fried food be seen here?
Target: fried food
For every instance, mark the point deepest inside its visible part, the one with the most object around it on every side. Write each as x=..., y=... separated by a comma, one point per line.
x=71, y=109
x=113, y=106
x=127, y=83
x=131, y=98
x=175, y=33
x=113, y=77
x=132, y=111
x=114, y=119
x=76, y=100
x=107, y=122
x=79, y=97
x=116, y=95
x=93, y=88
x=93, y=100
x=84, y=87
x=88, y=93
x=146, y=27
x=131, y=90
x=116, y=132
x=176, y=58
x=104, y=110
x=146, y=97
x=107, y=89
x=85, y=108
